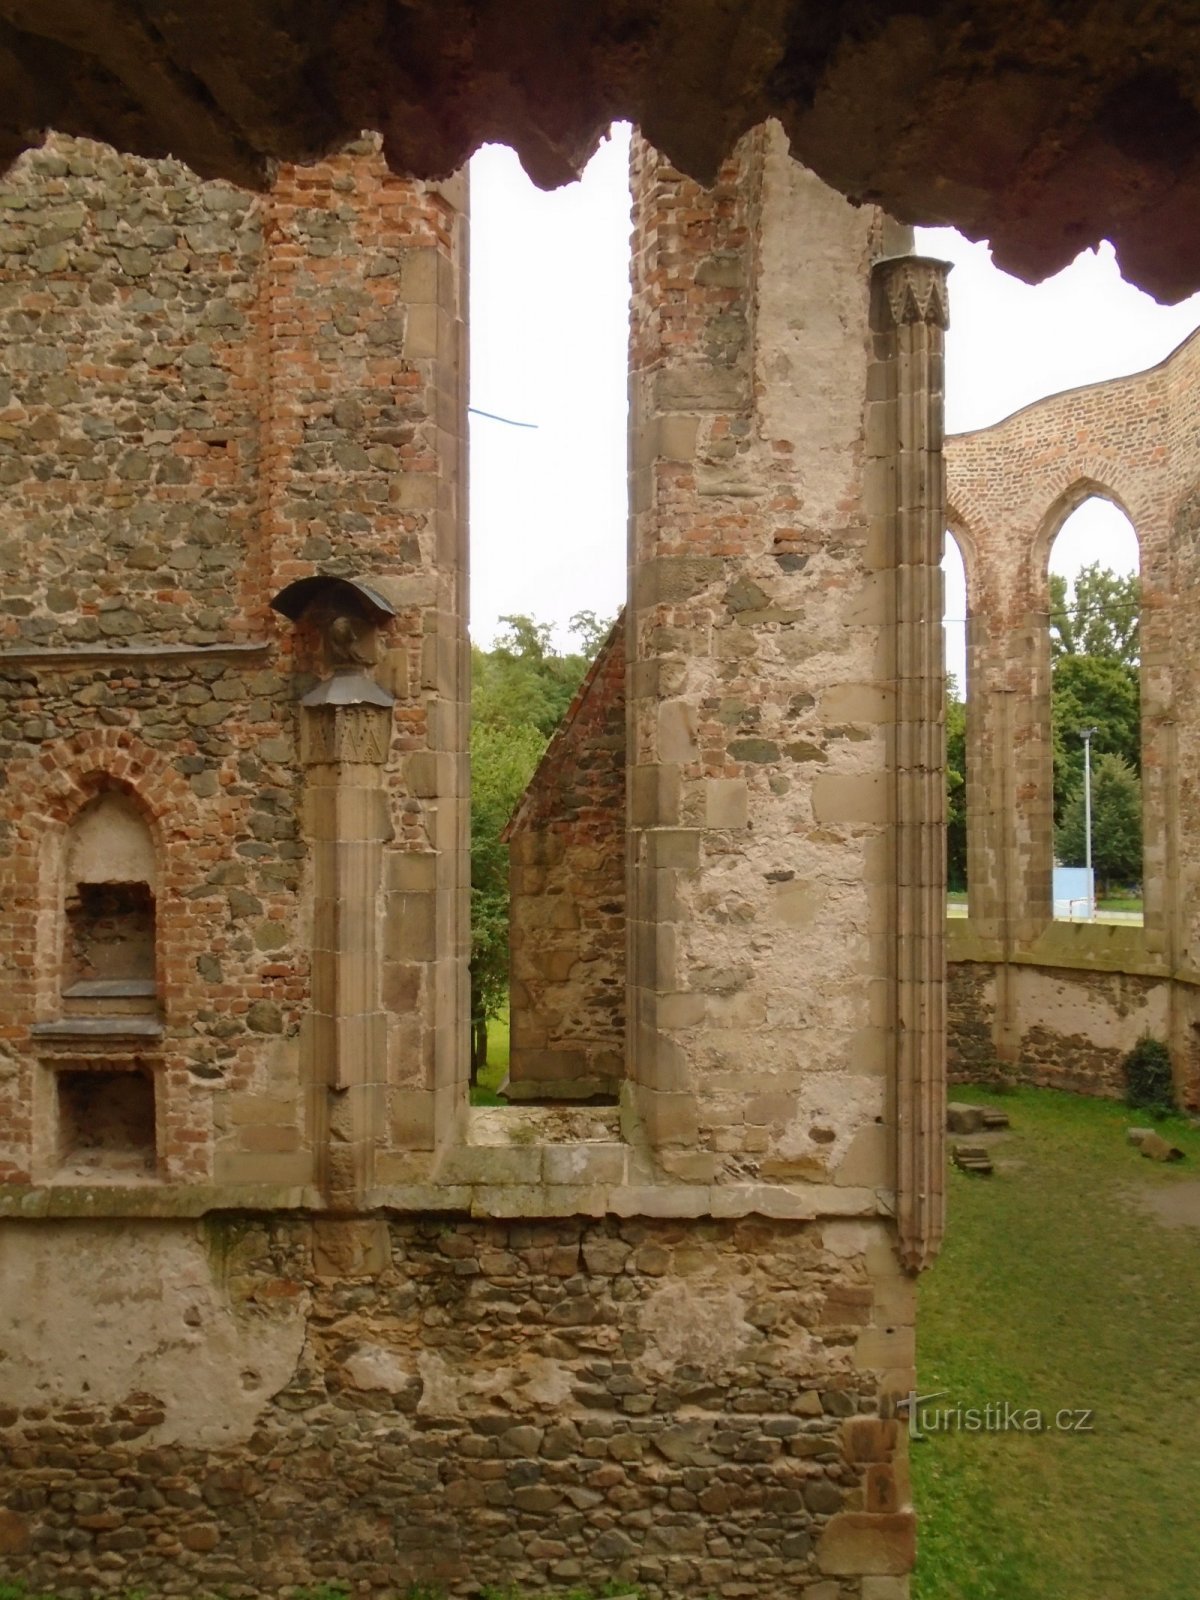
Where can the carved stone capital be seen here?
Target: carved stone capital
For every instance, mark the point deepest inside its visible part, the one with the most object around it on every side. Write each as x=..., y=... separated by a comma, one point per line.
x=913, y=290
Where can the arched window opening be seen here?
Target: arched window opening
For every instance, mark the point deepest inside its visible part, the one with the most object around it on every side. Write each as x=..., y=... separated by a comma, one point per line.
x=954, y=644
x=109, y=911
x=1094, y=591
x=548, y=432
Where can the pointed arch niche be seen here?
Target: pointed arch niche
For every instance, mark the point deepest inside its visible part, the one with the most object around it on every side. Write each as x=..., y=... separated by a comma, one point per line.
x=110, y=888
x=1093, y=611
x=97, y=1112
x=957, y=667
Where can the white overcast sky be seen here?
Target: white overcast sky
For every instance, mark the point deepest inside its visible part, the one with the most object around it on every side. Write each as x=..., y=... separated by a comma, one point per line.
x=549, y=309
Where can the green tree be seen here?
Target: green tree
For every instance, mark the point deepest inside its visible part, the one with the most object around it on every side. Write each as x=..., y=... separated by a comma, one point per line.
x=956, y=787
x=591, y=631
x=503, y=759
x=1100, y=619
x=1116, y=824
x=1092, y=692
x=522, y=679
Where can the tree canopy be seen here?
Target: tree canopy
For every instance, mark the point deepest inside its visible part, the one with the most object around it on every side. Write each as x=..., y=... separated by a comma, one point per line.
x=1093, y=692
x=503, y=760
x=1100, y=619
x=1116, y=824
x=1095, y=683
x=522, y=681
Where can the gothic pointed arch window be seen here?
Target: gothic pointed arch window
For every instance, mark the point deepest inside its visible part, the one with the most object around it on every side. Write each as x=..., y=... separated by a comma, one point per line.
x=1093, y=615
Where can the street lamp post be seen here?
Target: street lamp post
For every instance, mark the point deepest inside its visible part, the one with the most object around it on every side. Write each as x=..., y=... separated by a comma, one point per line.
x=1086, y=735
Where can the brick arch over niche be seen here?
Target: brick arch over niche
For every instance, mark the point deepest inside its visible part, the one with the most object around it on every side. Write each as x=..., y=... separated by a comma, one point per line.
x=1018, y=990
x=65, y=780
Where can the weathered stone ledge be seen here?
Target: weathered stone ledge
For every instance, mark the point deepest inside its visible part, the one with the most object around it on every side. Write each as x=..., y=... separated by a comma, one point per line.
x=73, y=655
x=546, y=1199
x=800, y=1203
x=1088, y=948
x=150, y=1199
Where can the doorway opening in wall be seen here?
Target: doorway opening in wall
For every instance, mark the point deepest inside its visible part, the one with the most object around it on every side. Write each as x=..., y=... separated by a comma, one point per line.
x=954, y=645
x=1094, y=610
x=549, y=357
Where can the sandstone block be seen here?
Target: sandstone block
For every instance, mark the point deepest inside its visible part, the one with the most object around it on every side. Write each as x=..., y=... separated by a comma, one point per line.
x=858, y=1543
x=350, y=1249
x=963, y=1118
x=868, y=1158
x=1155, y=1148
x=869, y=1439
x=851, y=798
x=584, y=1163
x=726, y=803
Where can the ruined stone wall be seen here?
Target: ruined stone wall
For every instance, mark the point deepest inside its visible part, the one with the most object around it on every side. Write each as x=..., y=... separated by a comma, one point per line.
x=555, y=1343
x=132, y=396
x=208, y=394
x=970, y=1019
x=682, y=1406
x=1009, y=490
x=567, y=881
x=757, y=747
x=1076, y=1025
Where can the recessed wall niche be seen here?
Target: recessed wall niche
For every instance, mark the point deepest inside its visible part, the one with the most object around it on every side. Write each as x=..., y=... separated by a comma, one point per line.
x=109, y=911
x=105, y=1120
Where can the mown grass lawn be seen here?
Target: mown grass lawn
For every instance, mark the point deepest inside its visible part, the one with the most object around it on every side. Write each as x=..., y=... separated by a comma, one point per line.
x=493, y=1075
x=1056, y=1290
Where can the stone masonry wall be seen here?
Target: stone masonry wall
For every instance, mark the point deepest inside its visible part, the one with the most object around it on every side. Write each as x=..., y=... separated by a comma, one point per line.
x=129, y=423
x=1077, y=1027
x=1009, y=489
x=343, y=1325
x=208, y=394
x=758, y=658
x=970, y=1003
x=690, y=1407
x=567, y=880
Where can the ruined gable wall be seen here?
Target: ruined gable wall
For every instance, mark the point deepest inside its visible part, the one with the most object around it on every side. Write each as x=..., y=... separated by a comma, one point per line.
x=1009, y=489
x=567, y=881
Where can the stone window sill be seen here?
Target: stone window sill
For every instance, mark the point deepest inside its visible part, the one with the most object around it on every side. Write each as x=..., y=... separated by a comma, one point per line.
x=99, y=1028
x=112, y=989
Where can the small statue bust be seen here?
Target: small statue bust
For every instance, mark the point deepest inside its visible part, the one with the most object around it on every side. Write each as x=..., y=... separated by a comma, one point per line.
x=349, y=643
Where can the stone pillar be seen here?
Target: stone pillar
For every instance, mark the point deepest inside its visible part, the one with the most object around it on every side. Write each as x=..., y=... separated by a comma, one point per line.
x=691, y=378
x=365, y=474
x=905, y=440
x=761, y=682
x=345, y=737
